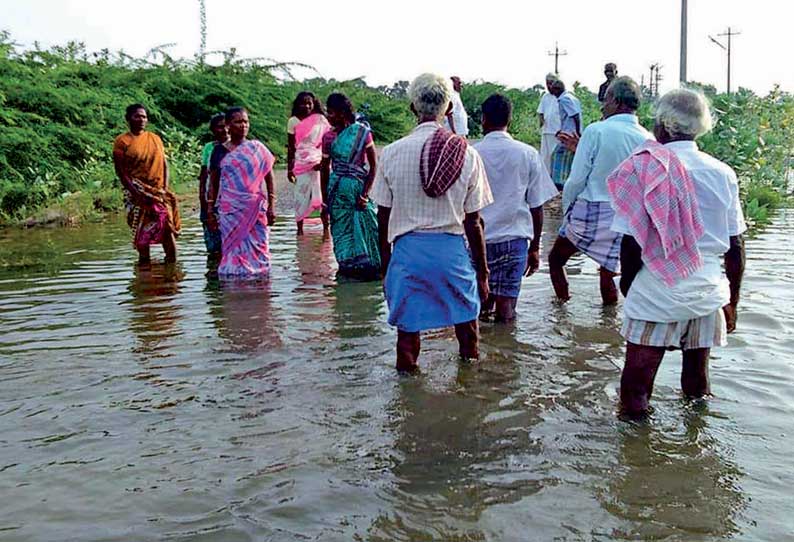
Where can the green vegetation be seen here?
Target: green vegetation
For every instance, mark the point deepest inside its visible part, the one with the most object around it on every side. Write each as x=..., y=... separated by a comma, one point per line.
x=61, y=108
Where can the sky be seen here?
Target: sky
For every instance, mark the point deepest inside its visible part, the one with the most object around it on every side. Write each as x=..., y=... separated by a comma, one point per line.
x=502, y=41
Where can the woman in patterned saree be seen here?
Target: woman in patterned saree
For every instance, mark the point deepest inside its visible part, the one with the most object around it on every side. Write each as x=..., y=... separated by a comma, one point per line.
x=348, y=171
x=305, y=130
x=241, y=170
x=152, y=214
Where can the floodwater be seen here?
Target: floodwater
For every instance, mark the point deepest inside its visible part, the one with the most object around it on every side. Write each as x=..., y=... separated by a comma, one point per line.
x=155, y=404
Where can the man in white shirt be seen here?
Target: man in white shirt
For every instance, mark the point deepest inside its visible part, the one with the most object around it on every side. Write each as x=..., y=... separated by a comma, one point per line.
x=457, y=120
x=429, y=188
x=549, y=117
x=585, y=199
x=514, y=221
x=697, y=311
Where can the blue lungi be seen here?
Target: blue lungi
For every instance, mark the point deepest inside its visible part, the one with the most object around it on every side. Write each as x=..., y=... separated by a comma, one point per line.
x=507, y=262
x=430, y=282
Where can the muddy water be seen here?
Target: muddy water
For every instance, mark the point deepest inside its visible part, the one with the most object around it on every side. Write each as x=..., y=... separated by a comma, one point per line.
x=155, y=404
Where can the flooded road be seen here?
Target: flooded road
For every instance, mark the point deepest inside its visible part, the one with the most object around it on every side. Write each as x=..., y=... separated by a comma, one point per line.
x=157, y=404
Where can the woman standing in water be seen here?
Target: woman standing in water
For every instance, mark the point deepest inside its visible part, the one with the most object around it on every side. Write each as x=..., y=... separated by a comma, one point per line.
x=346, y=182
x=241, y=183
x=305, y=131
x=212, y=238
x=152, y=213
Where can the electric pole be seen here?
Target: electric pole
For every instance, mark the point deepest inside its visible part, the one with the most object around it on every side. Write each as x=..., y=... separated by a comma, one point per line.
x=730, y=33
x=557, y=54
x=682, y=72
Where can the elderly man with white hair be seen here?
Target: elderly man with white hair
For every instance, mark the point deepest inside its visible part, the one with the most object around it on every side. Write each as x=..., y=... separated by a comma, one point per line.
x=429, y=188
x=549, y=118
x=679, y=212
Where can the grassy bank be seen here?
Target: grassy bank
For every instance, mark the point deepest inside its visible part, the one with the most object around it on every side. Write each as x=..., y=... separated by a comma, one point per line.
x=61, y=108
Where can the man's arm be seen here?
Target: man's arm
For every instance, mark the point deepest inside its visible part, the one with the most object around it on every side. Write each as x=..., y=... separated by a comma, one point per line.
x=630, y=262
x=734, y=270
x=533, y=256
x=384, y=213
x=476, y=237
x=542, y=119
x=577, y=119
x=580, y=171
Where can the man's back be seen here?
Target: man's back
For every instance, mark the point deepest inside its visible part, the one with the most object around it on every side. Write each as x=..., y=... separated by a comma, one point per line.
x=604, y=145
x=399, y=186
x=518, y=181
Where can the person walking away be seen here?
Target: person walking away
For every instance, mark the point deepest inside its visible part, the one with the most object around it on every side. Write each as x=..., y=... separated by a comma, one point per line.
x=570, y=126
x=348, y=170
x=610, y=71
x=549, y=118
x=586, y=203
x=457, y=120
x=430, y=188
x=241, y=180
x=514, y=221
x=305, y=131
x=140, y=164
x=220, y=134
x=679, y=212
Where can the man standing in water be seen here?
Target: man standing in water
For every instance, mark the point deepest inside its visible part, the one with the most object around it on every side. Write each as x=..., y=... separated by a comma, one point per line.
x=610, y=71
x=549, y=117
x=679, y=212
x=570, y=127
x=514, y=222
x=429, y=188
x=585, y=199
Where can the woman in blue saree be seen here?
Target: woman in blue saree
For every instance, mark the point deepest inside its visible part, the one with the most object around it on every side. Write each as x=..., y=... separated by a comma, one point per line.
x=347, y=173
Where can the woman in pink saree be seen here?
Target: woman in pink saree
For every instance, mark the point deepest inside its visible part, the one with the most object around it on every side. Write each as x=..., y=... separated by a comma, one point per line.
x=305, y=131
x=243, y=184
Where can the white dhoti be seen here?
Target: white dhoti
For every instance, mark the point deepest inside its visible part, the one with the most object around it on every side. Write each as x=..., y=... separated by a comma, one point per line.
x=548, y=142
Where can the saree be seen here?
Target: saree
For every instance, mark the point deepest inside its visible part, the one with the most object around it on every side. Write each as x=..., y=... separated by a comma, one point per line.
x=354, y=231
x=152, y=209
x=242, y=208
x=308, y=154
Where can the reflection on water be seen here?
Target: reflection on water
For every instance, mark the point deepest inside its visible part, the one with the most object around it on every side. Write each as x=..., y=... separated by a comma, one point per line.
x=155, y=403
x=661, y=468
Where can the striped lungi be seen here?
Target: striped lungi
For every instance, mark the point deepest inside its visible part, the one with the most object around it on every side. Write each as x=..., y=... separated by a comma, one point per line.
x=561, y=161
x=587, y=224
x=704, y=332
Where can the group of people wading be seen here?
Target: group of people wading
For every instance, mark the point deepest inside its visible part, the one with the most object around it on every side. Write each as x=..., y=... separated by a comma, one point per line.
x=453, y=227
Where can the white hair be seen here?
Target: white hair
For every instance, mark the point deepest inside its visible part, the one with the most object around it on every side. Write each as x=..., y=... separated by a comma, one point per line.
x=552, y=76
x=430, y=93
x=684, y=112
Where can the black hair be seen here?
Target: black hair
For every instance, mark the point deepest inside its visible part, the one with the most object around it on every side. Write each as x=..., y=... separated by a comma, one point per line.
x=339, y=102
x=131, y=109
x=318, y=105
x=498, y=109
x=232, y=111
x=217, y=118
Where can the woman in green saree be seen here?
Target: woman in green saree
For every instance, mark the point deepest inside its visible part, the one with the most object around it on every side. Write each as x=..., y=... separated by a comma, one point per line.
x=347, y=174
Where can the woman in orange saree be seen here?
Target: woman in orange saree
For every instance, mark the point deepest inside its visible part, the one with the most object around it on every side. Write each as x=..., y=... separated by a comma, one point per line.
x=152, y=214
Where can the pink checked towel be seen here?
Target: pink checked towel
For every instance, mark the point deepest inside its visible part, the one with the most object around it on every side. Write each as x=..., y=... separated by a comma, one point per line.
x=653, y=191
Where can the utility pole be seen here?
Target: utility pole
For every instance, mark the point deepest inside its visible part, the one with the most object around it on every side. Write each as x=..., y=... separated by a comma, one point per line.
x=682, y=69
x=730, y=33
x=557, y=54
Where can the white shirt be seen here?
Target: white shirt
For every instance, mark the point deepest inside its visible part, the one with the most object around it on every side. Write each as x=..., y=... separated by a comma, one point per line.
x=459, y=116
x=603, y=146
x=518, y=182
x=706, y=290
x=550, y=109
x=398, y=185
